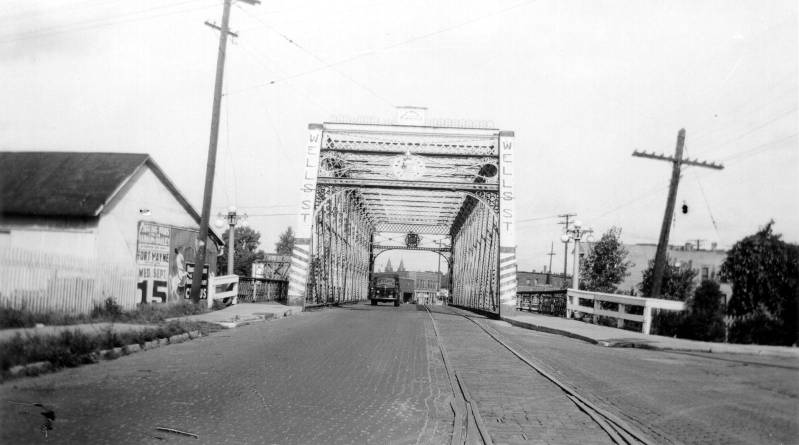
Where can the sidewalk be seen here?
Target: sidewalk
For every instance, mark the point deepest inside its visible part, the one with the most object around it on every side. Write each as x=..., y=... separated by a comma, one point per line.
x=244, y=313
x=613, y=337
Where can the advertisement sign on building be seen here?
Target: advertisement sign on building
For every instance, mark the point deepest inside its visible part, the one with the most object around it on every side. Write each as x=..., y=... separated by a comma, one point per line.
x=163, y=256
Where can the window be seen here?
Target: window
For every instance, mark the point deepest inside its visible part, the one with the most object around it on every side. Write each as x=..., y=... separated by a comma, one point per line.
x=705, y=273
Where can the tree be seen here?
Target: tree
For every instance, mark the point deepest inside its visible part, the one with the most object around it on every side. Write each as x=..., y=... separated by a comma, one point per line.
x=606, y=264
x=678, y=282
x=705, y=318
x=764, y=271
x=285, y=245
x=245, y=251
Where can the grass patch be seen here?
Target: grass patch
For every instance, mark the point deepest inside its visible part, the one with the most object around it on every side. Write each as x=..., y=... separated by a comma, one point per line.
x=75, y=347
x=108, y=311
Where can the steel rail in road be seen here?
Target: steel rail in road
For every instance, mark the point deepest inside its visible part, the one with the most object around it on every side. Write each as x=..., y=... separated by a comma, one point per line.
x=619, y=431
x=463, y=428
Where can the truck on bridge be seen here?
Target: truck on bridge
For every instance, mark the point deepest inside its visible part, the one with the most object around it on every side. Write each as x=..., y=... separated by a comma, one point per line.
x=385, y=287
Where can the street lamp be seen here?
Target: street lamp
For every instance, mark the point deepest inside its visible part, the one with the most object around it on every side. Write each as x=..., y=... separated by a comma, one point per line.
x=576, y=233
x=232, y=218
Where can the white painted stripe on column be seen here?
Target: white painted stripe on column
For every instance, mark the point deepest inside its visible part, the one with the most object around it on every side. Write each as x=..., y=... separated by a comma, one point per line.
x=297, y=273
x=506, y=275
x=293, y=285
x=300, y=266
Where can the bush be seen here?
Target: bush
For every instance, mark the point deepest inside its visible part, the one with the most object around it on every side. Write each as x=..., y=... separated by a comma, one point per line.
x=705, y=318
x=108, y=310
x=667, y=323
x=23, y=318
x=74, y=347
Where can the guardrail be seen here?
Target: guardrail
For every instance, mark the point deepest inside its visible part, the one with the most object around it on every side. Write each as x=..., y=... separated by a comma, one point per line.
x=621, y=307
x=252, y=290
x=551, y=301
x=223, y=286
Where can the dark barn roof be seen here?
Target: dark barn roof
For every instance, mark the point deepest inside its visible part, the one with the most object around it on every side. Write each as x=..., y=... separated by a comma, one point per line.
x=73, y=184
x=62, y=183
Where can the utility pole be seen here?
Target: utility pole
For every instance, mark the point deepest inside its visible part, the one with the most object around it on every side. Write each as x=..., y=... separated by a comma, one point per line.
x=550, y=254
x=677, y=162
x=196, y=282
x=565, y=223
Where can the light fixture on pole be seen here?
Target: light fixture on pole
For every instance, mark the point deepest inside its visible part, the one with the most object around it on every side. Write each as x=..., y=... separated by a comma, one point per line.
x=233, y=218
x=576, y=233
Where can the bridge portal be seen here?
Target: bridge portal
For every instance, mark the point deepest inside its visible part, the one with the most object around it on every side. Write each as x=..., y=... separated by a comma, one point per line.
x=366, y=185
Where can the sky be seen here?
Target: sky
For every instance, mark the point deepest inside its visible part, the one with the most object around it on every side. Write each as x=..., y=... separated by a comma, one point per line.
x=581, y=83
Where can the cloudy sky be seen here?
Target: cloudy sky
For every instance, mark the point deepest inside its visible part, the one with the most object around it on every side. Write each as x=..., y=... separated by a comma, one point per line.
x=582, y=83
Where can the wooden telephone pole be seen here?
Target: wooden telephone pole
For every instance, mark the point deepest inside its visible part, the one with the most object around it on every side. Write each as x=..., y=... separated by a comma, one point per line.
x=550, y=255
x=677, y=162
x=205, y=216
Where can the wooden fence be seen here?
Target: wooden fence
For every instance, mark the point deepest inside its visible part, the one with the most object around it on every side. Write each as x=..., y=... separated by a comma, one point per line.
x=222, y=287
x=621, y=308
x=41, y=282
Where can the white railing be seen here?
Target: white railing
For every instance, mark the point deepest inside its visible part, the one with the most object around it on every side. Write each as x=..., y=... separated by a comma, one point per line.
x=593, y=305
x=223, y=286
x=43, y=282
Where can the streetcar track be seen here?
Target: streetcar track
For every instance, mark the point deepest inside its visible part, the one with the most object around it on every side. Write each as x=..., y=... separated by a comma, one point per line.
x=467, y=416
x=619, y=431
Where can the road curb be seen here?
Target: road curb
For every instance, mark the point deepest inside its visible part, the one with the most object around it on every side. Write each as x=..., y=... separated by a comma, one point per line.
x=37, y=368
x=522, y=324
x=257, y=317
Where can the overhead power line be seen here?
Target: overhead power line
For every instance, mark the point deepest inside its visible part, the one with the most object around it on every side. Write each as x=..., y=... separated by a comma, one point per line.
x=384, y=48
x=100, y=23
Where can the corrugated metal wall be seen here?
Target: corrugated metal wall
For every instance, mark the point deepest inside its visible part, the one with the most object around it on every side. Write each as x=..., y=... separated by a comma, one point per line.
x=42, y=282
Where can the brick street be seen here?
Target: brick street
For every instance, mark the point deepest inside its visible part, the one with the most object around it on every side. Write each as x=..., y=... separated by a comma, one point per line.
x=363, y=374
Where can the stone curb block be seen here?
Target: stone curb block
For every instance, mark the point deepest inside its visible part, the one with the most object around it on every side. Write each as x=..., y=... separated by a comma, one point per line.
x=533, y=327
x=105, y=354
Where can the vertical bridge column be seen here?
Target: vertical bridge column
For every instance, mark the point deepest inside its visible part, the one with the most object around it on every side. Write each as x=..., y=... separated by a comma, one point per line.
x=300, y=256
x=507, y=223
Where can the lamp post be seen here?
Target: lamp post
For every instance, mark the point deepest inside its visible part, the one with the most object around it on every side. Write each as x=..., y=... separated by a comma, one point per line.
x=576, y=233
x=232, y=218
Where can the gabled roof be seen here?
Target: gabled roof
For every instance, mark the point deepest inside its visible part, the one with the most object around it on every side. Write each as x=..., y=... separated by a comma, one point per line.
x=62, y=184
x=72, y=184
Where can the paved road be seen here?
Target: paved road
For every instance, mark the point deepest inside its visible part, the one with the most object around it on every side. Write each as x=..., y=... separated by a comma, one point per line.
x=363, y=374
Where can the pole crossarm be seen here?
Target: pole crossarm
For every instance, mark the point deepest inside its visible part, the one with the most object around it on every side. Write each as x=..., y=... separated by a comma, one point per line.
x=686, y=161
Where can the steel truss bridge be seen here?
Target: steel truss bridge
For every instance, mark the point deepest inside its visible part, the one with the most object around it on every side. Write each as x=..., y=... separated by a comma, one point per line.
x=365, y=183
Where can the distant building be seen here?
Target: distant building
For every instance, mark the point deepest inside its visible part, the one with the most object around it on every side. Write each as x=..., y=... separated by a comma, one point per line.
x=96, y=208
x=425, y=285
x=529, y=281
x=707, y=263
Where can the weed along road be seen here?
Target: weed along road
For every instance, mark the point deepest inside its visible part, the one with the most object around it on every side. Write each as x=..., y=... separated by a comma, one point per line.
x=412, y=374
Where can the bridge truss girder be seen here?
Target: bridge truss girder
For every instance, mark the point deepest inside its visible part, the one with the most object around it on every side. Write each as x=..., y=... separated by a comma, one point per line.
x=365, y=180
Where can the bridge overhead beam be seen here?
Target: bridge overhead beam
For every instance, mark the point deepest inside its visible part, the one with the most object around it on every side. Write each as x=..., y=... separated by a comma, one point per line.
x=390, y=184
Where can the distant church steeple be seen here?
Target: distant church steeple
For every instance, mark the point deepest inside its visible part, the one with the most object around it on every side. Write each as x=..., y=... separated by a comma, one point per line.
x=388, y=266
x=401, y=267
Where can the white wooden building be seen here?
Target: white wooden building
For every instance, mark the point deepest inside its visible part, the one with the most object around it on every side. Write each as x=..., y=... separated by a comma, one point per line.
x=76, y=228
